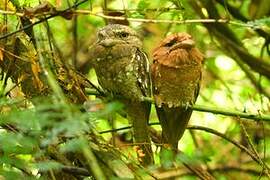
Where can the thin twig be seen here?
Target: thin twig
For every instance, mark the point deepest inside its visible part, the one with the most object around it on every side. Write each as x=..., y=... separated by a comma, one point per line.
x=223, y=136
x=209, y=130
x=27, y=26
x=93, y=163
x=75, y=40
x=75, y=170
x=15, y=56
x=188, y=21
x=251, y=154
x=225, y=169
x=37, y=22
x=251, y=145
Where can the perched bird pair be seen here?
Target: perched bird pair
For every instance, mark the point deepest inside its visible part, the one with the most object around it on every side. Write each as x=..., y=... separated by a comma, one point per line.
x=123, y=69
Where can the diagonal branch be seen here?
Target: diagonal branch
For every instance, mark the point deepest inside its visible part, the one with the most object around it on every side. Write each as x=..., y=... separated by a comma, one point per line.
x=221, y=135
x=229, y=40
x=57, y=13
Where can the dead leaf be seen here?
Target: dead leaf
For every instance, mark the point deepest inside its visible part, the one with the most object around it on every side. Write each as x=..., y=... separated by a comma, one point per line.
x=1, y=55
x=58, y=3
x=41, y=8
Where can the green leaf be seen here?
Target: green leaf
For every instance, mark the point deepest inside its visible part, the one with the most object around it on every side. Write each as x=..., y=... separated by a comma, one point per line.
x=10, y=175
x=143, y=4
x=47, y=165
x=166, y=158
x=72, y=145
x=17, y=143
x=263, y=23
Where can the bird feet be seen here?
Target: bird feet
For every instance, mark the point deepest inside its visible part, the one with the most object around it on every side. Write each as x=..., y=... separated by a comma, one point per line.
x=187, y=105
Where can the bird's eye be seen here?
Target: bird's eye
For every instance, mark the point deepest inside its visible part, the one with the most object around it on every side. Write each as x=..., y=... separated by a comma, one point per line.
x=101, y=35
x=171, y=43
x=122, y=34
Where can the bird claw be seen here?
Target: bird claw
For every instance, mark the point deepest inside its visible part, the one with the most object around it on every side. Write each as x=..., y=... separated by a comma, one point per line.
x=187, y=105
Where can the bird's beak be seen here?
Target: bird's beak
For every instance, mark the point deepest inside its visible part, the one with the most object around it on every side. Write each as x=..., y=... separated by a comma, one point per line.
x=107, y=42
x=189, y=43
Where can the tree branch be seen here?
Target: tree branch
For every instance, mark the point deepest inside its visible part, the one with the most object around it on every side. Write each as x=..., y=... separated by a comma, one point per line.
x=227, y=38
x=212, y=131
x=57, y=13
x=75, y=170
x=221, y=111
x=237, y=14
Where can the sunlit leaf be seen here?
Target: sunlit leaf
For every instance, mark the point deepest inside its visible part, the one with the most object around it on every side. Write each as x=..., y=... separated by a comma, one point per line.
x=47, y=165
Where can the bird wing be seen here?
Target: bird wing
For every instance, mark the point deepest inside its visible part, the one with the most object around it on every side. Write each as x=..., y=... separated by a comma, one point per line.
x=143, y=73
x=197, y=90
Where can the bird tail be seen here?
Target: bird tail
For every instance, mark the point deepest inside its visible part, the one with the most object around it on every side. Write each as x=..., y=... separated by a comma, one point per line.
x=174, y=122
x=139, y=114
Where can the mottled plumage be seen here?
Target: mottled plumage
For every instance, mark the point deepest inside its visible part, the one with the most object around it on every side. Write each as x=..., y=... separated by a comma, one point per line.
x=176, y=75
x=122, y=69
